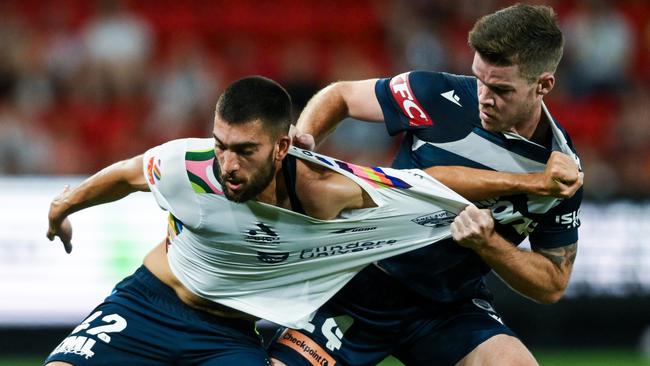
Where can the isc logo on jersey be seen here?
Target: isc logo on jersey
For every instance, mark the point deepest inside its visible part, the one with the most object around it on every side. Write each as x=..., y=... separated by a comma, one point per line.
x=403, y=95
x=570, y=219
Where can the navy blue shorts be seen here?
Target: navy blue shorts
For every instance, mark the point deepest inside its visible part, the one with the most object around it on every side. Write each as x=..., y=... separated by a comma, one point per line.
x=375, y=316
x=143, y=322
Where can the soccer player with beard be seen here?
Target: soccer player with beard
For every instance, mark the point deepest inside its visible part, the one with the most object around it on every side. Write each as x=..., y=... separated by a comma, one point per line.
x=257, y=229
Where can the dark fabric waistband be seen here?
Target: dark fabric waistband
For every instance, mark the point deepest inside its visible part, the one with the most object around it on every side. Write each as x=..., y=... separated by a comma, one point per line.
x=154, y=285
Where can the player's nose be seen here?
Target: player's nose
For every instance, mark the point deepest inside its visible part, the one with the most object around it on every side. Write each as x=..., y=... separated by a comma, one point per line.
x=484, y=96
x=230, y=162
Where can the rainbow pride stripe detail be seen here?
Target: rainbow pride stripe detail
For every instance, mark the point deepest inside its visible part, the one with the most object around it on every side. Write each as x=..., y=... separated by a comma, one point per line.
x=197, y=164
x=324, y=160
x=174, y=227
x=374, y=176
x=156, y=169
x=153, y=169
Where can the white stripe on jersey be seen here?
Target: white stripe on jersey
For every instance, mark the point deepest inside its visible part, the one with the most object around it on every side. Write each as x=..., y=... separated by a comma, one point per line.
x=486, y=153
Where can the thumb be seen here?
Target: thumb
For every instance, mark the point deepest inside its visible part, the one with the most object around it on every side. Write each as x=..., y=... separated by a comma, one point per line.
x=66, y=235
x=67, y=245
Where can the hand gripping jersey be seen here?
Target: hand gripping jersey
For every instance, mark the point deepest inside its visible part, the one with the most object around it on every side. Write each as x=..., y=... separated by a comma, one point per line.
x=438, y=112
x=275, y=263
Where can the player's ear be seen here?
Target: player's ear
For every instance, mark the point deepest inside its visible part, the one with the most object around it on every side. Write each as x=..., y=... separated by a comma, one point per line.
x=282, y=147
x=545, y=83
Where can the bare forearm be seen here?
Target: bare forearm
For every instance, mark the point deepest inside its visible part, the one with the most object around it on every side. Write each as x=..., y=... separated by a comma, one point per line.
x=479, y=184
x=531, y=274
x=110, y=184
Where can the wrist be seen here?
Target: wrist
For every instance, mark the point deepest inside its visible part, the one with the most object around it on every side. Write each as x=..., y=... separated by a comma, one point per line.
x=489, y=246
x=58, y=210
x=61, y=207
x=532, y=183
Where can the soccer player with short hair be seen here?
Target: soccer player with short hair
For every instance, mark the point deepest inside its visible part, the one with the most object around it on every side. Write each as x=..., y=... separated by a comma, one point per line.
x=431, y=306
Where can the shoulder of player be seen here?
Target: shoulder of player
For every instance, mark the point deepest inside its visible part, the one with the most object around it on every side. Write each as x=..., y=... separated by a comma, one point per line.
x=430, y=83
x=324, y=192
x=424, y=96
x=314, y=178
x=181, y=149
x=185, y=165
x=190, y=143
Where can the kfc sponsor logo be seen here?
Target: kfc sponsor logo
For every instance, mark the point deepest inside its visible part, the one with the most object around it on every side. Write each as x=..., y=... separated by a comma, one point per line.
x=403, y=95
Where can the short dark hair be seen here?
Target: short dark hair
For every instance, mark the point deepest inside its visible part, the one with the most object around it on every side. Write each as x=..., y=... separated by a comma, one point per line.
x=256, y=97
x=524, y=35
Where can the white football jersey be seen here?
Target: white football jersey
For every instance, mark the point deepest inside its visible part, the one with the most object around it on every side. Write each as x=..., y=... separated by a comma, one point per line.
x=275, y=263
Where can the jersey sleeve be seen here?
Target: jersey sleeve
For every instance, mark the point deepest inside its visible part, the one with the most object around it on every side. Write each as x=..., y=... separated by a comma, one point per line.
x=165, y=173
x=423, y=99
x=559, y=226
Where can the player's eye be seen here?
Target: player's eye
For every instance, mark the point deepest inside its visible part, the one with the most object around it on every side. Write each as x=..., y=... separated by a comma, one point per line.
x=500, y=91
x=247, y=152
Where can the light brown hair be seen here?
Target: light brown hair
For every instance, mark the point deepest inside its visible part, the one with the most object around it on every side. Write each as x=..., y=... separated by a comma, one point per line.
x=524, y=35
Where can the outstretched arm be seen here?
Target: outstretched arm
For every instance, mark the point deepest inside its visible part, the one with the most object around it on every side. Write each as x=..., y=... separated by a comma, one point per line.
x=110, y=184
x=560, y=178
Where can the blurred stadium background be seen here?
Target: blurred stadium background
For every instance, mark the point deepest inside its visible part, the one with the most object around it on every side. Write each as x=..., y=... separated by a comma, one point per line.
x=86, y=83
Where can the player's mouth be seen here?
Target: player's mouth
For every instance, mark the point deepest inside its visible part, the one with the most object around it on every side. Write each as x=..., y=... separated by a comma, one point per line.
x=233, y=185
x=485, y=117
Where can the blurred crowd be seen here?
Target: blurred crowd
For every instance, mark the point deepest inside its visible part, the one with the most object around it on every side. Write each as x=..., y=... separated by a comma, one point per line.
x=84, y=84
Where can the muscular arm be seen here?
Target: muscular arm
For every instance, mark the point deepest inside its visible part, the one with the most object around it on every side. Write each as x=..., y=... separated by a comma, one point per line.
x=541, y=275
x=357, y=99
x=337, y=101
x=560, y=178
x=110, y=184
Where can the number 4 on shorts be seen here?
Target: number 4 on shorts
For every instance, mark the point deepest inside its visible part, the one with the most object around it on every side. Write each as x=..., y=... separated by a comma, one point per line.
x=334, y=328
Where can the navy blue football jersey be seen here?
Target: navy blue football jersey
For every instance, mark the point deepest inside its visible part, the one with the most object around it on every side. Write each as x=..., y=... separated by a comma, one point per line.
x=438, y=112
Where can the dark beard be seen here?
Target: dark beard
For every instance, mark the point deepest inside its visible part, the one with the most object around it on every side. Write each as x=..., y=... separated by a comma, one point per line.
x=258, y=182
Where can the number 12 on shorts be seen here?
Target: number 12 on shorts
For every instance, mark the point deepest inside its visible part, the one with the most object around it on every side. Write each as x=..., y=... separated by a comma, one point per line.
x=83, y=345
x=115, y=324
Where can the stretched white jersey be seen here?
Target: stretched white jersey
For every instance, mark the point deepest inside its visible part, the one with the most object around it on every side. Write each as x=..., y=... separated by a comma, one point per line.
x=275, y=263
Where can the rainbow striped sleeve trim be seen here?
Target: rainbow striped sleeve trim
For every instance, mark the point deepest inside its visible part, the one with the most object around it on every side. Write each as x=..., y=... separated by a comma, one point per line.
x=374, y=176
x=174, y=227
x=198, y=164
